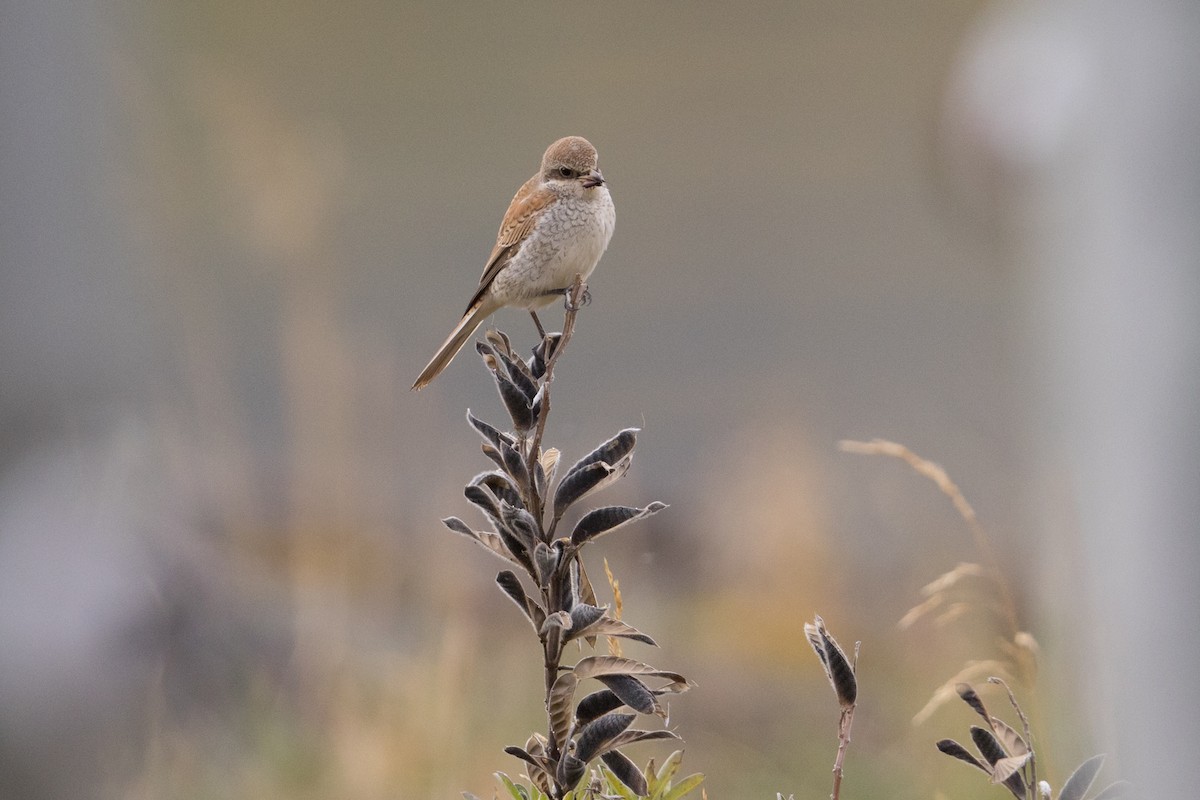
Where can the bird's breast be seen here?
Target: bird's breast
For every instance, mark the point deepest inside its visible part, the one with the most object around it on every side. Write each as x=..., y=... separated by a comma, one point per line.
x=567, y=241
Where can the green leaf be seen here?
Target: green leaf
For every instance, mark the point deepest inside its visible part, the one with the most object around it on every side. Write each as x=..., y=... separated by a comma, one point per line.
x=517, y=792
x=688, y=784
x=665, y=773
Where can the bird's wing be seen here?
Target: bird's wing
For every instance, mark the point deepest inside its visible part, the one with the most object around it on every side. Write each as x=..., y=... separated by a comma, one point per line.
x=523, y=212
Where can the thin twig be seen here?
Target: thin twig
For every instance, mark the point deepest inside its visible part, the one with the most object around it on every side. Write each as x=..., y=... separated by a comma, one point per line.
x=844, y=724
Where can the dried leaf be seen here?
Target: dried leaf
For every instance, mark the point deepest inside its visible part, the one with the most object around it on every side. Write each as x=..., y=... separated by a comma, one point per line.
x=837, y=667
x=501, y=486
x=595, y=705
x=585, y=477
x=1016, y=785
x=993, y=752
x=597, y=734
x=543, y=353
x=580, y=482
x=486, y=539
x=988, y=745
x=559, y=619
x=545, y=562
x=611, y=451
x=1012, y=700
x=499, y=340
x=562, y=693
x=1003, y=769
x=521, y=523
x=632, y=693
x=583, y=614
x=515, y=402
x=581, y=586
x=608, y=626
x=458, y=526
x=1012, y=741
x=490, y=434
x=536, y=744
x=514, y=465
x=634, y=735
x=518, y=373
x=493, y=454
x=544, y=781
x=508, y=581
x=484, y=499
x=570, y=770
x=516, y=546
x=1081, y=779
x=971, y=698
x=609, y=518
x=956, y=750
x=625, y=771
x=538, y=761
x=595, y=666
x=549, y=462
x=520, y=753
x=674, y=687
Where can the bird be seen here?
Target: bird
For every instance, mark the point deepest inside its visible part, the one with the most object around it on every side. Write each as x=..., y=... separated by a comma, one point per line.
x=557, y=226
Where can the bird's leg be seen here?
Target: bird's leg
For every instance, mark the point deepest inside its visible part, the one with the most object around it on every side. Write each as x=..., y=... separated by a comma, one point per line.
x=538, y=323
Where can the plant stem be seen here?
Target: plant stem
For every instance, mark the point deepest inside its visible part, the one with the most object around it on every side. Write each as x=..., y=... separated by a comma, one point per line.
x=574, y=296
x=551, y=593
x=844, y=724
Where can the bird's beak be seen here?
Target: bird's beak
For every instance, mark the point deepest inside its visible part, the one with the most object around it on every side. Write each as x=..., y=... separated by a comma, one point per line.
x=592, y=179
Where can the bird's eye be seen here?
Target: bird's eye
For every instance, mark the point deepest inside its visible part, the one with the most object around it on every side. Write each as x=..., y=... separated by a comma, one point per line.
x=566, y=172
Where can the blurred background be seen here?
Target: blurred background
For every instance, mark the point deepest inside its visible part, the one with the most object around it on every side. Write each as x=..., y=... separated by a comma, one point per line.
x=232, y=233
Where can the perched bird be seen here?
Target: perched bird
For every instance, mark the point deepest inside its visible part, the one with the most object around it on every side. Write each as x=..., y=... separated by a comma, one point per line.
x=557, y=226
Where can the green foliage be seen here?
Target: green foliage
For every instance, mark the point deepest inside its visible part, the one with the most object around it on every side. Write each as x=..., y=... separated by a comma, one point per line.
x=603, y=784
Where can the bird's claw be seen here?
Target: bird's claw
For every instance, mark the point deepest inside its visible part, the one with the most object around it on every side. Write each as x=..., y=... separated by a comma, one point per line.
x=585, y=298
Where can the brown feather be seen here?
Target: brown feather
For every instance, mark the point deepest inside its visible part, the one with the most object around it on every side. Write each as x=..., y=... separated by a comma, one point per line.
x=476, y=314
x=523, y=213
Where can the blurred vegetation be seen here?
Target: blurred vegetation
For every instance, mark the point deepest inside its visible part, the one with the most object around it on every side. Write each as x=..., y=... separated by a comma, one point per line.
x=302, y=191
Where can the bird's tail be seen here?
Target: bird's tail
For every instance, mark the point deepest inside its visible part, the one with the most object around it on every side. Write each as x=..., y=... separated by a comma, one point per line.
x=454, y=342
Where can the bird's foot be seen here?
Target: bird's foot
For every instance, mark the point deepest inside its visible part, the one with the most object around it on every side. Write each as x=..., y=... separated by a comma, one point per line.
x=585, y=298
